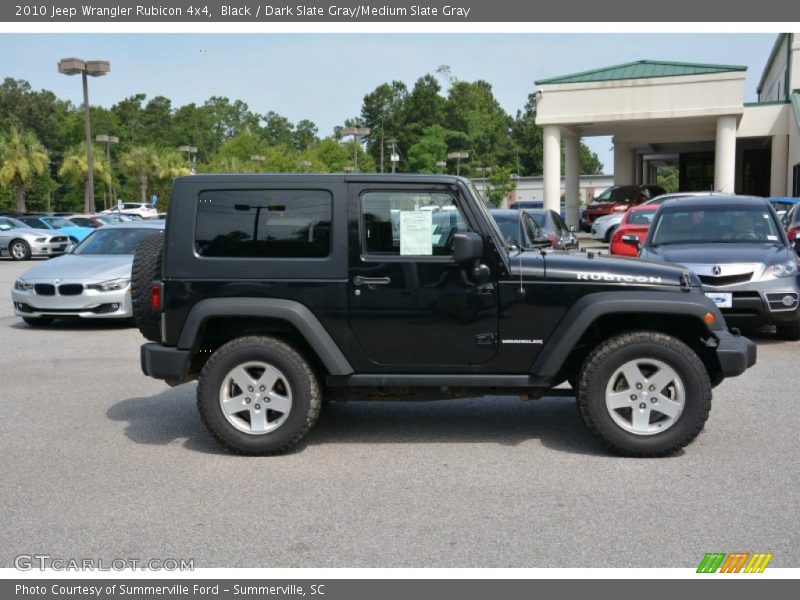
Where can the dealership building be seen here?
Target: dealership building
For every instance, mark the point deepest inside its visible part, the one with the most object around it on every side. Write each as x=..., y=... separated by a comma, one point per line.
x=688, y=115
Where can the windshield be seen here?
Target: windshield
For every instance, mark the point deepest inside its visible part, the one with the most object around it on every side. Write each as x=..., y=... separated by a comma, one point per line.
x=618, y=194
x=540, y=219
x=106, y=220
x=10, y=223
x=116, y=240
x=641, y=217
x=509, y=227
x=716, y=225
x=57, y=222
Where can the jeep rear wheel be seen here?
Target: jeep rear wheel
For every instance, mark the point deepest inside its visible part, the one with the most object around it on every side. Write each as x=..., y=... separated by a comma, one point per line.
x=257, y=395
x=146, y=269
x=644, y=394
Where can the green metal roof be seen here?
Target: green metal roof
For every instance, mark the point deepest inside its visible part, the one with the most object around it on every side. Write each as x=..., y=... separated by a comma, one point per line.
x=796, y=104
x=642, y=69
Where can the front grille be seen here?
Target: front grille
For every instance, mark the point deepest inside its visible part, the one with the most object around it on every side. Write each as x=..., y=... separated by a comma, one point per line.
x=726, y=279
x=70, y=289
x=45, y=289
x=59, y=239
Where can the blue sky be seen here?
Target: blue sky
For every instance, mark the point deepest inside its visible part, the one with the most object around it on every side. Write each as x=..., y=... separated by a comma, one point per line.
x=323, y=77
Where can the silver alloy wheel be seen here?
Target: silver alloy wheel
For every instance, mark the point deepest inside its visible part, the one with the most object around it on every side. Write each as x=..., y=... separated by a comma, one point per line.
x=645, y=396
x=255, y=397
x=18, y=250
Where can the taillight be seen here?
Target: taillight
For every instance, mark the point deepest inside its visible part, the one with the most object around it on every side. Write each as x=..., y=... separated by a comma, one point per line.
x=155, y=296
x=553, y=240
x=793, y=234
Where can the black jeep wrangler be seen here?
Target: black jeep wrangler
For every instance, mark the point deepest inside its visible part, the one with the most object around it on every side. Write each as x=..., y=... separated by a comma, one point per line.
x=280, y=291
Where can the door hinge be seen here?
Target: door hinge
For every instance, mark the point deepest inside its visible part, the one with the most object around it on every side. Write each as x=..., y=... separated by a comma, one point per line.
x=486, y=339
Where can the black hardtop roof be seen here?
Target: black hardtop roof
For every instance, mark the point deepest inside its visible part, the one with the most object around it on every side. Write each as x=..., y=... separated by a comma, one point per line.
x=715, y=201
x=320, y=178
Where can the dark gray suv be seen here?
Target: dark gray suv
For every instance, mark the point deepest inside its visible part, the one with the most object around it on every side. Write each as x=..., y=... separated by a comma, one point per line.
x=741, y=254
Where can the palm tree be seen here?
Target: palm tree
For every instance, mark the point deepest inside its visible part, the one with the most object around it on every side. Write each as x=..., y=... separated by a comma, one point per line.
x=22, y=158
x=172, y=164
x=75, y=168
x=141, y=162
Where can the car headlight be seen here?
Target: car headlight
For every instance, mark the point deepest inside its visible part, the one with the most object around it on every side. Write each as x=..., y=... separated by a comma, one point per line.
x=109, y=286
x=22, y=285
x=784, y=269
x=620, y=208
x=40, y=240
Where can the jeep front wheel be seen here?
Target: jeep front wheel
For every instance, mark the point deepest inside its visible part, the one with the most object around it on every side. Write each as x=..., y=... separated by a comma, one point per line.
x=644, y=394
x=257, y=395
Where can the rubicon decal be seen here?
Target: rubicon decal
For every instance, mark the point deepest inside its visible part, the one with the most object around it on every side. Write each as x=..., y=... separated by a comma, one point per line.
x=735, y=562
x=616, y=277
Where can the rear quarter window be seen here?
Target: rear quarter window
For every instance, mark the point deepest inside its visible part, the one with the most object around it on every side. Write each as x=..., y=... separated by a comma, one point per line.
x=264, y=224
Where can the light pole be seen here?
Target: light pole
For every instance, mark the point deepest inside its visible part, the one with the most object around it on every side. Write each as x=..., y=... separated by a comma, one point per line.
x=395, y=157
x=442, y=164
x=458, y=156
x=93, y=68
x=109, y=139
x=356, y=132
x=191, y=154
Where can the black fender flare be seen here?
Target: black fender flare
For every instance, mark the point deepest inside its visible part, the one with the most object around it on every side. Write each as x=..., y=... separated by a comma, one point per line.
x=593, y=306
x=286, y=310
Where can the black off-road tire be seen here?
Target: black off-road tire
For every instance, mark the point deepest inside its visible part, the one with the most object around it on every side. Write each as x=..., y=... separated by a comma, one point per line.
x=38, y=321
x=146, y=269
x=614, y=352
x=306, y=395
x=788, y=331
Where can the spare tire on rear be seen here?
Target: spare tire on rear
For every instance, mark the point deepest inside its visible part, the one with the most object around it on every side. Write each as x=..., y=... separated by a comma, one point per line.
x=146, y=270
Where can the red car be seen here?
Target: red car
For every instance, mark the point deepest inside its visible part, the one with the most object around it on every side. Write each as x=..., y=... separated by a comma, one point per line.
x=618, y=198
x=636, y=221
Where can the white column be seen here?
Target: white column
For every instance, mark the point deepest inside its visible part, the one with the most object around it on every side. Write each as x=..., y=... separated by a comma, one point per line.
x=779, y=167
x=623, y=172
x=639, y=164
x=552, y=167
x=572, y=184
x=725, y=155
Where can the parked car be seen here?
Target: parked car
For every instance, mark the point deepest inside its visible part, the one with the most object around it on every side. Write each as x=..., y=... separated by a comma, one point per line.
x=555, y=229
x=739, y=251
x=636, y=221
x=74, y=232
x=526, y=204
x=791, y=221
x=604, y=228
x=93, y=221
x=21, y=242
x=618, y=198
x=92, y=282
x=142, y=209
x=520, y=228
x=782, y=204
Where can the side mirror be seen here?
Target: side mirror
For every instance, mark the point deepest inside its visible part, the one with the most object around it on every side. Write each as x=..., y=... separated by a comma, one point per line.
x=467, y=247
x=631, y=239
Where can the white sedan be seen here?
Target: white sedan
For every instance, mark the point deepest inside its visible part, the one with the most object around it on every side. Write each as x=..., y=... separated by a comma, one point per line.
x=92, y=282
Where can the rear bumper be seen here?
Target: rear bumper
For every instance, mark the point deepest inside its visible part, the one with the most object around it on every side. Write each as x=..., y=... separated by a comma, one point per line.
x=735, y=353
x=163, y=362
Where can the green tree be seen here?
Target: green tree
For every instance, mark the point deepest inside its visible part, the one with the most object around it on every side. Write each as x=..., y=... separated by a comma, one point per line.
x=431, y=148
x=22, y=159
x=500, y=185
x=141, y=163
x=75, y=168
x=305, y=135
x=667, y=178
x=382, y=111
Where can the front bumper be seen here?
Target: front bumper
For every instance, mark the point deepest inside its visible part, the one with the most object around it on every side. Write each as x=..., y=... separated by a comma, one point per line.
x=49, y=249
x=735, y=353
x=163, y=362
x=760, y=303
x=89, y=304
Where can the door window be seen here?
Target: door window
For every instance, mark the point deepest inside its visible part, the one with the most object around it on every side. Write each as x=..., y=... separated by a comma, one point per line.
x=409, y=223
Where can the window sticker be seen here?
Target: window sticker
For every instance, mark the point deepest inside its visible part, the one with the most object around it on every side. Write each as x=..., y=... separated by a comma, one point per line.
x=415, y=233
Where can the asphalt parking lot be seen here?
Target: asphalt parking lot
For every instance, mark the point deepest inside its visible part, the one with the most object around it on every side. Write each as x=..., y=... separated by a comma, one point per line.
x=101, y=461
